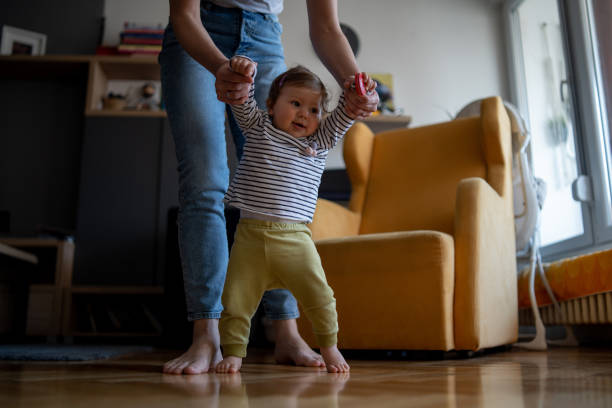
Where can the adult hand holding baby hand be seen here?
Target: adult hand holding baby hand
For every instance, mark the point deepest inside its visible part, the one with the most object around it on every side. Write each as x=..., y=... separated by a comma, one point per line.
x=360, y=106
x=232, y=87
x=243, y=65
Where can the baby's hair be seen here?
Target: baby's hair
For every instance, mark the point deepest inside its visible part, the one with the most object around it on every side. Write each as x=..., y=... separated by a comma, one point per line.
x=298, y=76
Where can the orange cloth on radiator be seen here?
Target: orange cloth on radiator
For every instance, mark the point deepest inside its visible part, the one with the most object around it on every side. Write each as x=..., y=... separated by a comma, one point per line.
x=570, y=278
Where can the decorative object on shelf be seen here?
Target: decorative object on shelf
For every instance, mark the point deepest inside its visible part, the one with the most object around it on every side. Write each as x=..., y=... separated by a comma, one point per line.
x=384, y=88
x=141, y=39
x=143, y=98
x=17, y=41
x=148, y=100
x=114, y=101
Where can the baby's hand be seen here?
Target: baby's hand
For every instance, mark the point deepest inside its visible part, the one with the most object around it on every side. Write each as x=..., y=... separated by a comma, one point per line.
x=360, y=106
x=243, y=65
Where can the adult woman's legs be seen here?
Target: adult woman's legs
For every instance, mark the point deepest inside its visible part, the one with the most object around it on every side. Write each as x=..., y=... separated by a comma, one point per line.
x=197, y=122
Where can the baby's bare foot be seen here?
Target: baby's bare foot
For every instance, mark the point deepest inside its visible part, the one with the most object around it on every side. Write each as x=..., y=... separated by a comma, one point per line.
x=334, y=361
x=204, y=352
x=229, y=365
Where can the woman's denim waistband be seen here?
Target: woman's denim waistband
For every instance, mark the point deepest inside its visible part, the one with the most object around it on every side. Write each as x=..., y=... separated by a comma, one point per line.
x=210, y=6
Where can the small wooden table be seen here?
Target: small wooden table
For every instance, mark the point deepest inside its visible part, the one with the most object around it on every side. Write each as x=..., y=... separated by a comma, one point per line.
x=46, y=303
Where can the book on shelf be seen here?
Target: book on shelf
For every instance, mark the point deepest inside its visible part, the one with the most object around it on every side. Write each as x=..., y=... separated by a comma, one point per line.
x=144, y=32
x=137, y=38
x=145, y=27
x=138, y=49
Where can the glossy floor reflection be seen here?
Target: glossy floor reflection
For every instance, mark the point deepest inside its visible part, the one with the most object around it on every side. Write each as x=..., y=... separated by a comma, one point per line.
x=576, y=377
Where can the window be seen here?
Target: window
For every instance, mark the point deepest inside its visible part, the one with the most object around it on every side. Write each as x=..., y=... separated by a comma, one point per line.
x=601, y=40
x=562, y=82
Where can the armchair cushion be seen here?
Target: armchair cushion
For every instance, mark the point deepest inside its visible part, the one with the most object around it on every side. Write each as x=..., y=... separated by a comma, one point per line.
x=331, y=220
x=397, y=286
x=418, y=170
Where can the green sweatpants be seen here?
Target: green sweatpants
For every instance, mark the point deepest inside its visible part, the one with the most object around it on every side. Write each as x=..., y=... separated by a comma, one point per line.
x=272, y=255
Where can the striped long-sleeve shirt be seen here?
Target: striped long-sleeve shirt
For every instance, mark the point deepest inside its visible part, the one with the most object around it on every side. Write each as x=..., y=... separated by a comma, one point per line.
x=276, y=176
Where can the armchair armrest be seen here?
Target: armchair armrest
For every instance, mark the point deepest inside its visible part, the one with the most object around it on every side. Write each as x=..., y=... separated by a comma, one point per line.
x=331, y=220
x=486, y=308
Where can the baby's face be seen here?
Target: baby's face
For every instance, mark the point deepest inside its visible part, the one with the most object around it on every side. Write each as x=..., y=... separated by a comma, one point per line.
x=297, y=111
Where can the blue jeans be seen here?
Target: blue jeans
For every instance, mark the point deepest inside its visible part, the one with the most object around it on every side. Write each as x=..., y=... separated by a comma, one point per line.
x=197, y=121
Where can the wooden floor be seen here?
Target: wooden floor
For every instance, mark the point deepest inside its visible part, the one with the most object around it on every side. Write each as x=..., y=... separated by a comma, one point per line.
x=560, y=377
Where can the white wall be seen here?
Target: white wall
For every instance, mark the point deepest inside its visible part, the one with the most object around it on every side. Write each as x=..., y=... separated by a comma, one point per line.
x=442, y=53
x=136, y=11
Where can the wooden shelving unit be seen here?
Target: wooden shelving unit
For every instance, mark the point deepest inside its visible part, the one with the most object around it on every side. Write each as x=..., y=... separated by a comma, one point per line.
x=41, y=67
x=381, y=123
x=105, y=68
x=402, y=119
x=47, y=301
x=57, y=307
x=98, y=69
x=119, y=290
x=125, y=113
x=114, y=311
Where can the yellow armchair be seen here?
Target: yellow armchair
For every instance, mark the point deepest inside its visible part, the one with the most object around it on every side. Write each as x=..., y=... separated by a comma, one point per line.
x=424, y=257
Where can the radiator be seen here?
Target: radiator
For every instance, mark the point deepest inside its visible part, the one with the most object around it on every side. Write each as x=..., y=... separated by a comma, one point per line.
x=593, y=309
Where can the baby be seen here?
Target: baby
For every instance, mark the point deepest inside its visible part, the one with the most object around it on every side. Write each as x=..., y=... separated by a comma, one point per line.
x=275, y=188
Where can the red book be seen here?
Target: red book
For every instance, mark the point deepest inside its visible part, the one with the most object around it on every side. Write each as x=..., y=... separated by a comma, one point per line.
x=140, y=40
x=106, y=50
x=143, y=31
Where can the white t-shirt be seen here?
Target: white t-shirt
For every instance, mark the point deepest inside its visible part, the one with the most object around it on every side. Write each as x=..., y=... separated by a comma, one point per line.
x=257, y=6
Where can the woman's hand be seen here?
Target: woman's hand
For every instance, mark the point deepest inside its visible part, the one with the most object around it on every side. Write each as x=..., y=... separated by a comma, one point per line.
x=231, y=87
x=360, y=106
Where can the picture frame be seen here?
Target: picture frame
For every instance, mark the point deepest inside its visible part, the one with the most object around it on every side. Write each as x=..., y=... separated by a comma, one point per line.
x=17, y=41
x=385, y=91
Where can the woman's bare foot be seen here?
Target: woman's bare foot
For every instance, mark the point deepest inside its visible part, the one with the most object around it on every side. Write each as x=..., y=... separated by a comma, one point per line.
x=334, y=361
x=290, y=348
x=229, y=365
x=204, y=353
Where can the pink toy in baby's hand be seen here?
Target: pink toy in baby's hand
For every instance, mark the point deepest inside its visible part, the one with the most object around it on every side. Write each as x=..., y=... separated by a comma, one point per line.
x=359, y=83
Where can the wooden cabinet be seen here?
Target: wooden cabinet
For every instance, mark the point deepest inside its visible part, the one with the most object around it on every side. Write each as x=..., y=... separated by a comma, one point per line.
x=112, y=311
x=380, y=123
x=126, y=184
x=45, y=286
x=118, y=201
x=103, y=69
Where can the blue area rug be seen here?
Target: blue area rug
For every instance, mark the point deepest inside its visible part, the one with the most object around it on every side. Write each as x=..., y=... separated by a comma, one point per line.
x=66, y=352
